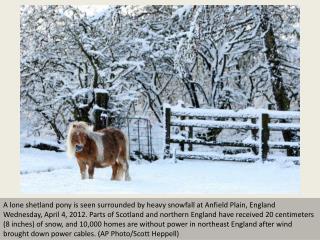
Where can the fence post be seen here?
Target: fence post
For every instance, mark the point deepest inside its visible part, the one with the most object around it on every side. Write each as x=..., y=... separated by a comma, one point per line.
x=265, y=134
x=167, y=132
x=182, y=129
x=190, y=136
x=254, y=133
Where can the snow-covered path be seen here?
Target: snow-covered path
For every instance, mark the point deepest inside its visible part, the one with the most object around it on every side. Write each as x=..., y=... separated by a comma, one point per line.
x=51, y=172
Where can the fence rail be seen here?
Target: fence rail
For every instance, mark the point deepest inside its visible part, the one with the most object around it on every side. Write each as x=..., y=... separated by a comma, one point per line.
x=260, y=122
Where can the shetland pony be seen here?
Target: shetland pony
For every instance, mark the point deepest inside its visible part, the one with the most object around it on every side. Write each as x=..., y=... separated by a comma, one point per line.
x=98, y=149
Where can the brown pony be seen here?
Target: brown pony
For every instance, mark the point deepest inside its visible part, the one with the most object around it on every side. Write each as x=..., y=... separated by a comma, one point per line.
x=103, y=148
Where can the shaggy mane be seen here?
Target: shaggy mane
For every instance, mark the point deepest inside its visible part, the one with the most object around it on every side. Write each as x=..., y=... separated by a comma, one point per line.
x=76, y=127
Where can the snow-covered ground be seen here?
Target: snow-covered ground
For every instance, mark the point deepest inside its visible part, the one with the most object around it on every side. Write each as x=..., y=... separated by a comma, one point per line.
x=51, y=172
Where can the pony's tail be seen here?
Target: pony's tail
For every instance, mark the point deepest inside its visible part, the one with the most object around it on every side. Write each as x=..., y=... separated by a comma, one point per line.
x=127, y=175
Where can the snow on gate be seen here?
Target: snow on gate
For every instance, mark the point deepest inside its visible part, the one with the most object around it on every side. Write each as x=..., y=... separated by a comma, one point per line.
x=258, y=145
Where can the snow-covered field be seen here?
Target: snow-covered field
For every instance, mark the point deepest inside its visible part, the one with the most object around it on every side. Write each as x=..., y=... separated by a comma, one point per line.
x=51, y=172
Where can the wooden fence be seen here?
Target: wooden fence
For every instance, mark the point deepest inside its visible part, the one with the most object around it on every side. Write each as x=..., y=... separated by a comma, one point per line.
x=261, y=123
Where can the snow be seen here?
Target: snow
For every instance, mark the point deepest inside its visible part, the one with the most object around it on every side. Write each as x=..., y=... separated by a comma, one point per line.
x=184, y=10
x=180, y=111
x=145, y=46
x=37, y=161
x=247, y=143
x=215, y=156
x=137, y=64
x=100, y=90
x=244, y=113
x=214, y=124
x=51, y=172
x=282, y=144
x=284, y=114
x=96, y=108
x=80, y=92
x=284, y=126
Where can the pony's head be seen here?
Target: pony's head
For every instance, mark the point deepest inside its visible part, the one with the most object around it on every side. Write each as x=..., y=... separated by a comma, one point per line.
x=77, y=137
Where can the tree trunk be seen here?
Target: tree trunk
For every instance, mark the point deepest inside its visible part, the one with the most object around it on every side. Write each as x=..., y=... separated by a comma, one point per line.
x=280, y=94
x=194, y=93
x=102, y=102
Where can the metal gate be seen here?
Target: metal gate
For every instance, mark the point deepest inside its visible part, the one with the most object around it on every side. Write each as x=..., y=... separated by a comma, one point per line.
x=138, y=131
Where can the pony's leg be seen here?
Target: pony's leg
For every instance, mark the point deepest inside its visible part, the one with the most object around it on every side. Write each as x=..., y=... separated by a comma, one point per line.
x=117, y=171
x=82, y=167
x=123, y=160
x=126, y=170
x=114, y=171
x=120, y=172
x=91, y=170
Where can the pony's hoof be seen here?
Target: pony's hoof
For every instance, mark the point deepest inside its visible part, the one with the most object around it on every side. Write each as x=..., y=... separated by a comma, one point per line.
x=128, y=179
x=115, y=179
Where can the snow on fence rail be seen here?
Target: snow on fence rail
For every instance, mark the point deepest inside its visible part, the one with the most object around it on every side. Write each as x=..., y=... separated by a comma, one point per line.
x=215, y=156
x=255, y=120
x=214, y=124
x=245, y=113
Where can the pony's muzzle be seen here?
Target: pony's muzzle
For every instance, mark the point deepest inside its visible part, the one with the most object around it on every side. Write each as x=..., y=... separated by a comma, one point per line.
x=79, y=148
